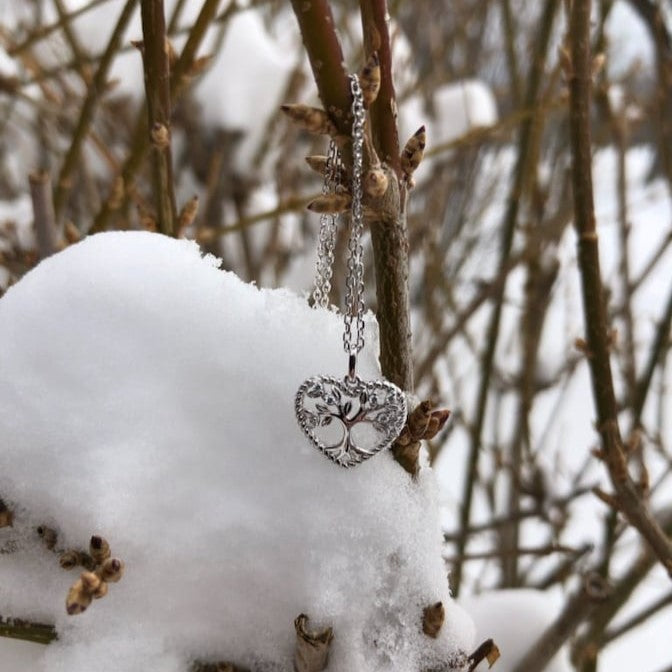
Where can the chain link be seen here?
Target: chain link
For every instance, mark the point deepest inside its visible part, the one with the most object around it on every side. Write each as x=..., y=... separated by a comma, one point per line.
x=353, y=335
x=327, y=236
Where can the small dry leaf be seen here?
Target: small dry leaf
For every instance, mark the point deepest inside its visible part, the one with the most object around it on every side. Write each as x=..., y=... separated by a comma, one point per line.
x=597, y=64
x=436, y=422
x=78, y=598
x=317, y=163
x=73, y=558
x=407, y=456
x=99, y=549
x=116, y=197
x=488, y=650
x=336, y=202
x=413, y=152
x=375, y=182
x=493, y=655
x=199, y=65
x=312, y=647
x=170, y=53
x=6, y=518
x=160, y=135
x=432, y=619
x=311, y=119
x=112, y=570
x=418, y=419
x=90, y=581
x=71, y=232
x=188, y=213
x=369, y=79
x=101, y=591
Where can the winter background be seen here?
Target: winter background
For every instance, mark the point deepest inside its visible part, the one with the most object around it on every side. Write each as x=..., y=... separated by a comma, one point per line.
x=147, y=394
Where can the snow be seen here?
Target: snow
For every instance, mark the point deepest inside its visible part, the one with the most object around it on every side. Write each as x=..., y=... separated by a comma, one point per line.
x=147, y=396
x=515, y=619
x=245, y=98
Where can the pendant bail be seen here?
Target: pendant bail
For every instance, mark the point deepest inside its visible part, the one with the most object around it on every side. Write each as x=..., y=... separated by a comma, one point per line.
x=352, y=362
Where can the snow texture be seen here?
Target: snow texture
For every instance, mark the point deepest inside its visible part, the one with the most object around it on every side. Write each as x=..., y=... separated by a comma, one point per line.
x=147, y=396
x=515, y=619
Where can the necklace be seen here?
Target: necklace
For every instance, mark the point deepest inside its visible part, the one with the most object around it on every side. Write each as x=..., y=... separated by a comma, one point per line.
x=348, y=419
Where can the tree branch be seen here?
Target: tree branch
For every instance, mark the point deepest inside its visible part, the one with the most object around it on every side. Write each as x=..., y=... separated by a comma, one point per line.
x=383, y=111
x=157, y=91
x=627, y=495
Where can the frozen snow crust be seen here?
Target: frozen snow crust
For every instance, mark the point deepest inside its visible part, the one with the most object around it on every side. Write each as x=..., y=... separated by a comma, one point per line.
x=147, y=396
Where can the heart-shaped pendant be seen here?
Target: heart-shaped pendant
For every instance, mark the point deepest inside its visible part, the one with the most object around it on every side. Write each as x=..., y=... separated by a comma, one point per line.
x=349, y=419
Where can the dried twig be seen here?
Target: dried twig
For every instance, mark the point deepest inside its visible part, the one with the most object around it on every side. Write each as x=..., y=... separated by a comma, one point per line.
x=312, y=646
x=46, y=230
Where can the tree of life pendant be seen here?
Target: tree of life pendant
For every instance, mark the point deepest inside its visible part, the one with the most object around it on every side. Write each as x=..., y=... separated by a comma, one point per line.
x=348, y=419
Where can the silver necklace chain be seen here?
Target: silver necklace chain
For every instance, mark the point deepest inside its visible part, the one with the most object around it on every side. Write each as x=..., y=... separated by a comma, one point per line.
x=353, y=335
x=327, y=236
x=333, y=412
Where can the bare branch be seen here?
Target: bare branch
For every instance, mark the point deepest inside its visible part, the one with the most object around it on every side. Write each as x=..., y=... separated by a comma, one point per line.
x=628, y=497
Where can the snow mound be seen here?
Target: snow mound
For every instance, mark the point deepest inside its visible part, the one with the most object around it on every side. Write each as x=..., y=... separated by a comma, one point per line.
x=147, y=396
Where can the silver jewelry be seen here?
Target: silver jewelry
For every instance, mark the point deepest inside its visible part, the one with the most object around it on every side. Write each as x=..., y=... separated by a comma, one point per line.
x=348, y=419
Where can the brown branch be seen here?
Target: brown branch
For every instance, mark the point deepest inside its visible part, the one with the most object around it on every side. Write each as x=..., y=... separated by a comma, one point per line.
x=157, y=91
x=499, y=553
x=383, y=110
x=16, y=628
x=316, y=23
x=46, y=230
x=627, y=494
